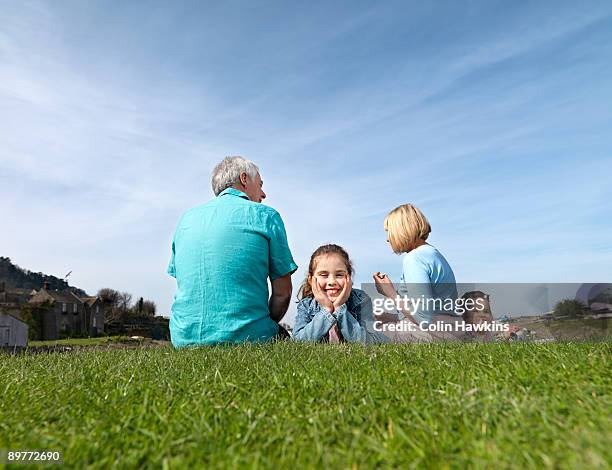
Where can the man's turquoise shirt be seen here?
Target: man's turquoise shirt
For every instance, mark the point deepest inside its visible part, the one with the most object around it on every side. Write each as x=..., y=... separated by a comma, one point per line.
x=223, y=253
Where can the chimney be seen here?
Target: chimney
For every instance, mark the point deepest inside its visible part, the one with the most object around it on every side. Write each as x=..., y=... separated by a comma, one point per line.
x=45, y=285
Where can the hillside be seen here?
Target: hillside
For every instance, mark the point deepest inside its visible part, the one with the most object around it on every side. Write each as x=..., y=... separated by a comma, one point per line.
x=17, y=277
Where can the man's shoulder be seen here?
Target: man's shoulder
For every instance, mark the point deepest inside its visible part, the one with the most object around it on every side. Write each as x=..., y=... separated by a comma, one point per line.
x=267, y=216
x=238, y=211
x=241, y=201
x=196, y=210
x=215, y=202
x=270, y=211
x=203, y=205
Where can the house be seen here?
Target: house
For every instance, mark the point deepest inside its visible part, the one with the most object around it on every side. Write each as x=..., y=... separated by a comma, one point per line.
x=60, y=313
x=12, y=298
x=13, y=331
x=94, y=314
x=64, y=314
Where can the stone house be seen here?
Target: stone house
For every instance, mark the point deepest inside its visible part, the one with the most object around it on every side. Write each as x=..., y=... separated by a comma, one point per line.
x=60, y=313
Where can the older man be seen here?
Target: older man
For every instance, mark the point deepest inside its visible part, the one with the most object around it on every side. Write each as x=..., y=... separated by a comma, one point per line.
x=223, y=253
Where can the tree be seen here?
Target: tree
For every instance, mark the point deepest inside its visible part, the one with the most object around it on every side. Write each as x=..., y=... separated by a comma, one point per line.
x=569, y=308
x=27, y=315
x=118, y=303
x=110, y=297
x=149, y=308
x=144, y=308
x=125, y=301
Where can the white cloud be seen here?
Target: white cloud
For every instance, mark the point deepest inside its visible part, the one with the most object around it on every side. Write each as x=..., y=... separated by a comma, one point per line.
x=99, y=155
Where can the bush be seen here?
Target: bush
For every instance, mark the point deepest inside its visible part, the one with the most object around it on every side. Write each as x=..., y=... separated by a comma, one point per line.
x=569, y=308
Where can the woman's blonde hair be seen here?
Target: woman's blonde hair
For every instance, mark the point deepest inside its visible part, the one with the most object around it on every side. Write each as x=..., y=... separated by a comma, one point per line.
x=405, y=225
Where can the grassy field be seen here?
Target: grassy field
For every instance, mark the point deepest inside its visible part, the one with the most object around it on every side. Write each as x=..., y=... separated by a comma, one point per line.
x=300, y=405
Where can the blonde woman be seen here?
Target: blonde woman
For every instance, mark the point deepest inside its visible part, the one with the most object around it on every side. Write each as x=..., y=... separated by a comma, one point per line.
x=426, y=274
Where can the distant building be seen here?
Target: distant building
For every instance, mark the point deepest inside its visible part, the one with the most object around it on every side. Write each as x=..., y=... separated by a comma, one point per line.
x=11, y=299
x=60, y=313
x=13, y=331
x=94, y=315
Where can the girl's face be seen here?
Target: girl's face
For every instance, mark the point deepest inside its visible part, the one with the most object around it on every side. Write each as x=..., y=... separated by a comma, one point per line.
x=330, y=274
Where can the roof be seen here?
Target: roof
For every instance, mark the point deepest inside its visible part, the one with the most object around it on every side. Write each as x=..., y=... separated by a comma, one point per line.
x=14, y=315
x=90, y=300
x=18, y=290
x=66, y=296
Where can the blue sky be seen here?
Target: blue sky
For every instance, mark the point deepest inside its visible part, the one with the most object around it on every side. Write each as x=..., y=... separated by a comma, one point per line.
x=494, y=118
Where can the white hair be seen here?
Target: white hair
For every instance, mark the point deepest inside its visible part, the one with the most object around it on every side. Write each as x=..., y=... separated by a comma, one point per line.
x=227, y=172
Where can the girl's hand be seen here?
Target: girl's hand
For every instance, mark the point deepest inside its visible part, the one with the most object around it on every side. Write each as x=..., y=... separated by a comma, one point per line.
x=320, y=296
x=345, y=292
x=384, y=285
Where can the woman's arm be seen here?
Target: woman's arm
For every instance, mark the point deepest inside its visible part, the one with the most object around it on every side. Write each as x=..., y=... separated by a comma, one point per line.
x=312, y=328
x=417, y=285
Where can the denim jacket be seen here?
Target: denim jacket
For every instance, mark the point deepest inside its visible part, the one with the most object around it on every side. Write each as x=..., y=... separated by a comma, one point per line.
x=354, y=318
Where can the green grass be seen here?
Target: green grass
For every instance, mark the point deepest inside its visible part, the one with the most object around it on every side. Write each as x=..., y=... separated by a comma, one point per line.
x=300, y=405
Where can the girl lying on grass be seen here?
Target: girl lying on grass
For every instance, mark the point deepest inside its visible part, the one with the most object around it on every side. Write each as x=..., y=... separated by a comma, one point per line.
x=329, y=309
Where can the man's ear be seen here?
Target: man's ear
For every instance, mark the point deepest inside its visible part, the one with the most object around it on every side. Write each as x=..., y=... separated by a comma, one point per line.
x=243, y=178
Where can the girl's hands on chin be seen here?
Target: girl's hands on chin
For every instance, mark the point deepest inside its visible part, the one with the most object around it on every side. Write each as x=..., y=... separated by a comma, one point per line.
x=320, y=295
x=384, y=285
x=345, y=292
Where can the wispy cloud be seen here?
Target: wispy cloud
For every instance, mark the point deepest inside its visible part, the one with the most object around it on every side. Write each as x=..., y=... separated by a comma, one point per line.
x=492, y=118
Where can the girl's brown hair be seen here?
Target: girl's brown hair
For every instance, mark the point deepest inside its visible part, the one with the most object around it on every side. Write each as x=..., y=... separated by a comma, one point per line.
x=306, y=289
